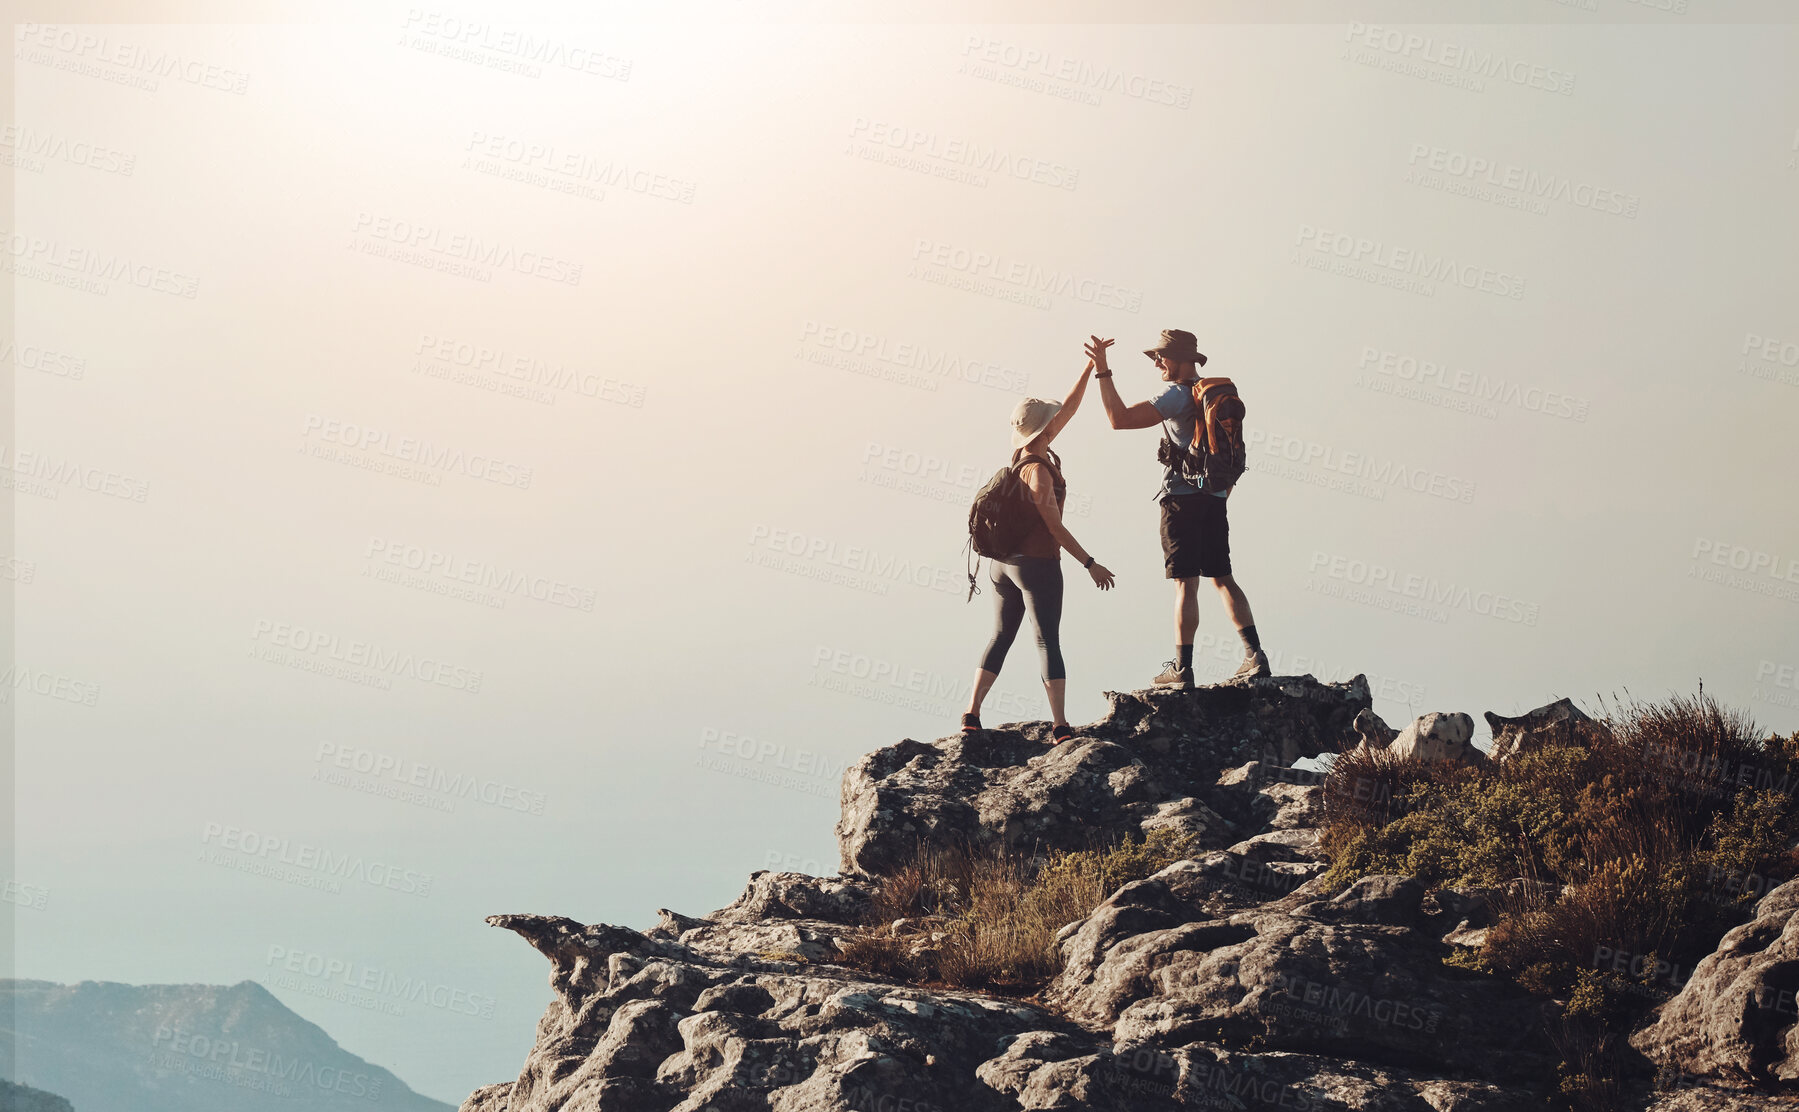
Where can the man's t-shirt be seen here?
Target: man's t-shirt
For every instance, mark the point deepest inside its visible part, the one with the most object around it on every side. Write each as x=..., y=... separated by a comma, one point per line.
x=1180, y=417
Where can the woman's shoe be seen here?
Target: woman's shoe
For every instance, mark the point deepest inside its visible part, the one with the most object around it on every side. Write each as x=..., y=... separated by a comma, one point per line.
x=971, y=723
x=1062, y=733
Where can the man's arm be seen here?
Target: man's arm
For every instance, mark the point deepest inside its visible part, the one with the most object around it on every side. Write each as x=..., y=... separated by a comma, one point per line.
x=1118, y=415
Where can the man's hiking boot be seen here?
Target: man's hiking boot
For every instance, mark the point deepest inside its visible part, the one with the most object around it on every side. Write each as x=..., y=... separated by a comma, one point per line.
x=1173, y=675
x=1254, y=664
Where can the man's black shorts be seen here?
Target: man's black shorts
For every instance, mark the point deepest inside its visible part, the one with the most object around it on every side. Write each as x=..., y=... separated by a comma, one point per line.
x=1196, y=536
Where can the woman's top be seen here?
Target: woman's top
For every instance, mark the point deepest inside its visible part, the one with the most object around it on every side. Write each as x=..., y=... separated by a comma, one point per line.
x=1038, y=541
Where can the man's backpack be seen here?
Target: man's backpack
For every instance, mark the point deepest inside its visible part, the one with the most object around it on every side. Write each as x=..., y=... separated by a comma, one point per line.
x=1217, y=454
x=1003, y=514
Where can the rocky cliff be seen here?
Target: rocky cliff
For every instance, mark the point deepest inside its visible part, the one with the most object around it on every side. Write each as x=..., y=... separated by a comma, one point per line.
x=1229, y=979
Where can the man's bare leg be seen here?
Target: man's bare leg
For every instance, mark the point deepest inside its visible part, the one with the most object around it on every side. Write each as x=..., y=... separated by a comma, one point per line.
x=1179, y=672
x=1236, y=607
x=1186, y=610
x=1236, y=603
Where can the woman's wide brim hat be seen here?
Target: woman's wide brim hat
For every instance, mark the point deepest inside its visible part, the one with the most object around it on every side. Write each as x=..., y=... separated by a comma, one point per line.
x=1031, y=417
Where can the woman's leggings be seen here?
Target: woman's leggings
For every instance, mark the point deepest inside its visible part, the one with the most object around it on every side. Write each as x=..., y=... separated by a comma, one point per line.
x=1031, y=583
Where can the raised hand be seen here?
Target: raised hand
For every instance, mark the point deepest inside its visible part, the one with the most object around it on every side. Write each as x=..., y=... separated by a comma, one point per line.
x=1096, y=351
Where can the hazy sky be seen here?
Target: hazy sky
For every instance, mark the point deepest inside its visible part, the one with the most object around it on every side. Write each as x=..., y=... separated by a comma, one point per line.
x=468, y=468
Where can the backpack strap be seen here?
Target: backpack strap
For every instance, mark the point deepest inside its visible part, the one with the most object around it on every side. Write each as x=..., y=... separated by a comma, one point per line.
x=1054, y=463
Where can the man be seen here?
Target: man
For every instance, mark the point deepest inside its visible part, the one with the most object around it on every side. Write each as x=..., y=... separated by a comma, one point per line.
x=1195, y=532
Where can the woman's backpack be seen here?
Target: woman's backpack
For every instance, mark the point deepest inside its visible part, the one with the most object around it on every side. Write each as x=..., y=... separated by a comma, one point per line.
x=1003, y=514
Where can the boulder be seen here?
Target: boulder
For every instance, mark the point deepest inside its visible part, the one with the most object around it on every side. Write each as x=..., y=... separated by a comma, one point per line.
x=1373, y=731
x=772, y=895
x=1437, y=737
x=1359, y=975
x=1154, y=761
x=1737, y=1017
x=1558, y=723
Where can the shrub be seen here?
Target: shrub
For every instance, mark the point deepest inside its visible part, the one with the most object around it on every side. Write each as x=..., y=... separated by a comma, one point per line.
x=989, y=918
x=1648, y=839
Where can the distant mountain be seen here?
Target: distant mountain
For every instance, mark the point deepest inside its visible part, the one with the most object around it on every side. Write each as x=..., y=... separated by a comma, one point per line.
x=184, y=1048
x=23, y=1098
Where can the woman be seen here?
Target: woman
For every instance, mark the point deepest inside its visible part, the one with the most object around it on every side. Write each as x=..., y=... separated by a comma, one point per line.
x=1031, y=581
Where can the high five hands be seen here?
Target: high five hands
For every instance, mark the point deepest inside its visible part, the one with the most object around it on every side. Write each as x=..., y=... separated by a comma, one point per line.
x=1096, y=351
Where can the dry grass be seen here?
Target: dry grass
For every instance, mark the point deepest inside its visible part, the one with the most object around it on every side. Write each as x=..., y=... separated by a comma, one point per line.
x=988, y=919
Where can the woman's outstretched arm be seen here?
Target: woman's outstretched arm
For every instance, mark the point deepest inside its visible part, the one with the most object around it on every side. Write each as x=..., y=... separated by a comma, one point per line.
x=1069, y=404
x=1036, y=479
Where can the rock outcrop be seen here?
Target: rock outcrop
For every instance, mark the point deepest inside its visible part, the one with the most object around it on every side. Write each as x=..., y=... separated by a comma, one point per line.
x=1737, y=1016
x=1558, y=723
x=1152, y=763
x=1437, y=737
x=1230, y=979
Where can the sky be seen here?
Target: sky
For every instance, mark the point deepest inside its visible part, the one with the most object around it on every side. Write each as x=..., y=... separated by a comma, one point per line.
x=465, y=467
